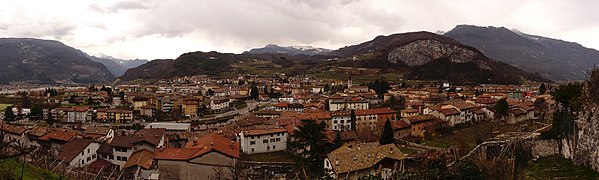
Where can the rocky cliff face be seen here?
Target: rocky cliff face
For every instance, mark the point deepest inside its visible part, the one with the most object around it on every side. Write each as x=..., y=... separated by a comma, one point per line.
x=587, y=138
x=420, y=52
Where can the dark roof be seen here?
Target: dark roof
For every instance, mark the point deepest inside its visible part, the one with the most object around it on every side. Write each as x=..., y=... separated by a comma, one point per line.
x=97, y=130
x=151, y=135
x=100, y=164
x=105, y=148
x=71, y=149
x=123, y=141
x=142, y=158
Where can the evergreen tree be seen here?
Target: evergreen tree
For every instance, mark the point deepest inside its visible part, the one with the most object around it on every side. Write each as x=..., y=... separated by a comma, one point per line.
x=266, y=90
x=122, y=95
x=50, y=118
x=9, y=115
x=254, y=92
x=327, y=88
x=338, y=140
x=241, y=82
x=542, y=88
x=502, y=108
x=210, y=92
x=387, y=136
x=90, y=101
x=352, y=118
x=37, y=113
x=310, y=148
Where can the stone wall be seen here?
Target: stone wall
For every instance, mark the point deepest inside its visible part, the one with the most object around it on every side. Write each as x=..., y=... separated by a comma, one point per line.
x=586, y=151
x=545, y=148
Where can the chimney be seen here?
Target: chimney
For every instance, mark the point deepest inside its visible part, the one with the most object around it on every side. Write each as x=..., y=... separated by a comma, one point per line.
x=337, y=162
x=212, y=145
x=232, y=145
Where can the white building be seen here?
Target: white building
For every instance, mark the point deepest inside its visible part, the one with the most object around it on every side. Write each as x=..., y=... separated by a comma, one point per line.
x=341, y=104
x=263, y=140
x=79, y=152
x=219, y=103
x=340, y=121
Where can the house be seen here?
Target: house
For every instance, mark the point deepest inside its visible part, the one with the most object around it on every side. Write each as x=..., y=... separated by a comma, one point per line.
x=421, y=124
x=340, y=120
x=268, y=114
x=101, y=114
x=285, y=106
x=78, y=152
x=13, y=133
x=99, y=133
x=516, y=115
x=138, y=102
x=336, y=104
x=409, y=112
x=120, y=148
x=449, y=115
x=77, y=114
x=364, y=159
x=400, y=127
x=189, y=108
x=219, y=104
x=148, y=110
x=139, y=160
x=263, y=140
x=34, y=135
x=365, y=119
x=120, y=115
x=53, y=141
x=208, y=157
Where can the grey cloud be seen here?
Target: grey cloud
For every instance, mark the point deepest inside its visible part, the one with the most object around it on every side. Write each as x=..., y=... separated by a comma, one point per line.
x=118, y=6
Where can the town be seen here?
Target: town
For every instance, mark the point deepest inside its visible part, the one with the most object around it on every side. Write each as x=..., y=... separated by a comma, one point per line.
x=261, y=127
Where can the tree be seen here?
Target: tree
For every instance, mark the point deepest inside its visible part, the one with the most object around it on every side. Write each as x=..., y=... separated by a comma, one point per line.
x=254, y=92
x=338, y=140
x=50, y=118
x=122, y=95
x=387, y=135
x=90, y=101
x=241, y=82
x=568, y=96
x=9, y=115
x=327, y=88
x=210, y=92
x=266, y=90
x=309, y=148
x=37, y=113
x=352, y=119
x=502, y=108
x=26, y=102
x=72, y=99
x=380, y=87
x=542, y=88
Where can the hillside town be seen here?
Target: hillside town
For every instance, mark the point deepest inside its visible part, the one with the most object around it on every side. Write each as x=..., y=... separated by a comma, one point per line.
x=255, y=127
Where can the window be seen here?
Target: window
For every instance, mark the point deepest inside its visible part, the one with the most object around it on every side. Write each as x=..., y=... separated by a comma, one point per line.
x=87, y=150
x=278, y=139
x=252, y=149
x=265, y=141
x=89, y=158
x=272, y=140
x=83, y=161
x=274, y=147
x=252, y=142
x=252, y=137
x=124, y=158
x=271, y=135
x=94, y=156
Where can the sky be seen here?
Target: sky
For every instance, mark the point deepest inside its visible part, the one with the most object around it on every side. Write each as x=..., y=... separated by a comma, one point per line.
x=164, y=29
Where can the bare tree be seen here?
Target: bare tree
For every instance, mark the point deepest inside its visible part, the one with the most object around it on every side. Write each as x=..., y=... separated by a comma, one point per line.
x=218, y=174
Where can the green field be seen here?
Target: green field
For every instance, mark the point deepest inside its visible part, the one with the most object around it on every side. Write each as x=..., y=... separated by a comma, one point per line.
x=4, y=106
x=13, y=169
x=557, y=168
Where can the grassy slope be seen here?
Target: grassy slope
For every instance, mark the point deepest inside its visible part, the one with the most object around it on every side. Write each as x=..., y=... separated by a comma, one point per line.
x=557, y=168
x=31, y=172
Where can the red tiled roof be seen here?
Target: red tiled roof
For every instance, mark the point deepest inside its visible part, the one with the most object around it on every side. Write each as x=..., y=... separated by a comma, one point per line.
x=142, y=158
x=71, y=149
x=420, y=118
x=175, y=153
x=215, y=142
x=151, y=135
x=13, y=129
x=100, y=164
x=60, y=134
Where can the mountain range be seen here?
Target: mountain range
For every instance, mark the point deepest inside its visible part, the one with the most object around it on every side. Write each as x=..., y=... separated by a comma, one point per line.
x=46, y=61
x=465, y=54
x=554, y=59
x=291, y=50
x=117, y=66
x=418, y=55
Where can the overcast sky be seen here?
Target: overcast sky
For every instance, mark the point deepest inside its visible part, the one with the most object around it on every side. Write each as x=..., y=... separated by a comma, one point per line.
x=153, y=29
